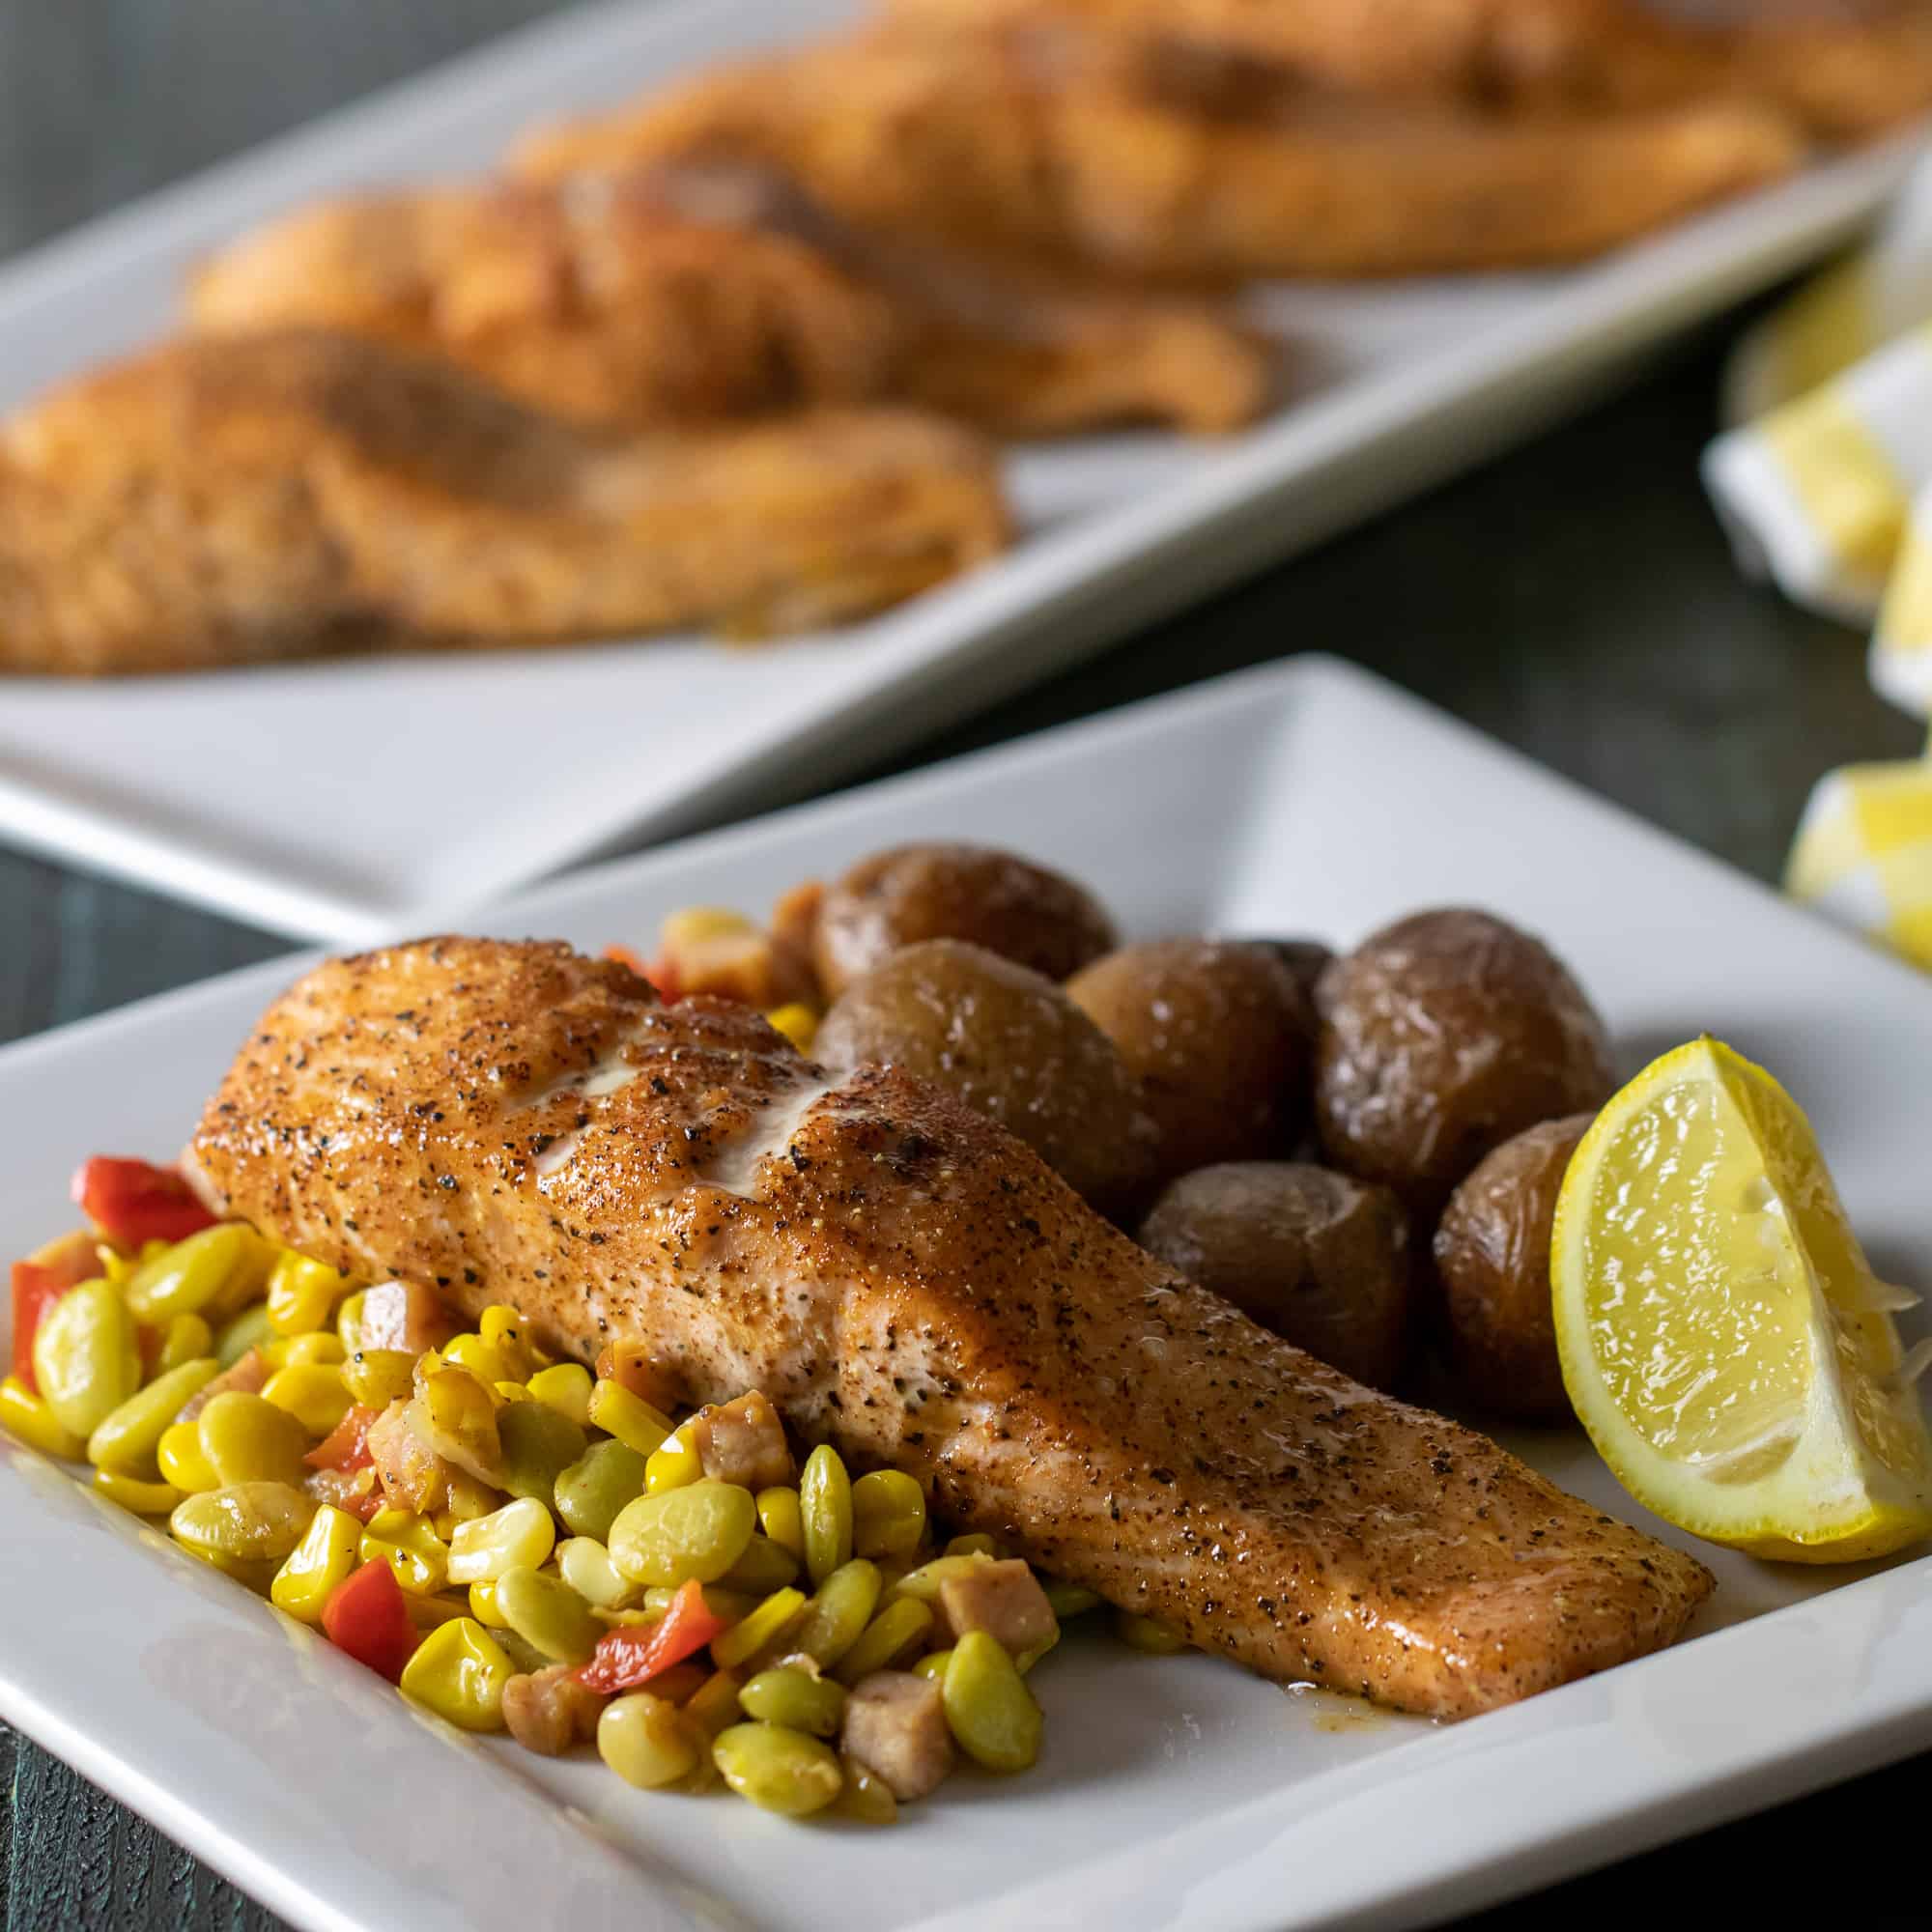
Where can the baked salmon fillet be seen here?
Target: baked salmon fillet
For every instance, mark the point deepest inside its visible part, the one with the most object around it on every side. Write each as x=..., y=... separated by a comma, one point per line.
x=517, y=1123
x=237, y=499
x=690, y=295
x=977, y=140
x=1846, y=69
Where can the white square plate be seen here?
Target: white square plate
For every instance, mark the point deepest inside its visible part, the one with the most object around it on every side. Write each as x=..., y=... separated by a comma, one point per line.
x=343, y=800
x=1180, y=1793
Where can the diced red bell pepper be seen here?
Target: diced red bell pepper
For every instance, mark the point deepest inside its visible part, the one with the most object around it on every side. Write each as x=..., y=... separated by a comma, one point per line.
x=39, y=1284
x=135, y=1201
x=347, y=1445
x=657, y=971
x=633, y=1653
x=367, y=1616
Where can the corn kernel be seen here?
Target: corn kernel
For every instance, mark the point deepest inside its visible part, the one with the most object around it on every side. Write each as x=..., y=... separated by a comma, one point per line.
x=783, y=1520
x=181, y=1461
x=301, y=1293
x=329, y=1551
x=136, y=1496
x=459, y=1671
x=509, y=1392
x=23, y=1414
x=312, y=1392
x=409, y=1545
x=349, y=1322
x=519, y=1536
x=630, y=1418
x=674, y=1465
x=797, y=1022
x=486, y=1364
x=565, y=1388
x=319, y=1348
x=483, y=1605
x=502, y=1328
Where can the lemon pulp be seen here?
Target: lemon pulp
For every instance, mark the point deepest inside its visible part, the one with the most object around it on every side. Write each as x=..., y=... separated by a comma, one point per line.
x=1722, y=1336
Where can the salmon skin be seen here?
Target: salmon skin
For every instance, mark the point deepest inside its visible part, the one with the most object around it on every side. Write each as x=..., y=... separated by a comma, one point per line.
x=516, y=1122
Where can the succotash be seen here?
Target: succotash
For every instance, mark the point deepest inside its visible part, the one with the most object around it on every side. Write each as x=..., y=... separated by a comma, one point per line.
x=520, y=1544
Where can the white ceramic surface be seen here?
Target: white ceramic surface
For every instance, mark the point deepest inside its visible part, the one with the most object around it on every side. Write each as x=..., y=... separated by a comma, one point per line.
x=1178, y=1793
x=342, y=800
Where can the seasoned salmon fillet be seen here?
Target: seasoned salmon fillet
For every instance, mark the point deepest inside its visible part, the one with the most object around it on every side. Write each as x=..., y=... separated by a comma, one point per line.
x=516, y=1122
x=689, y=295
x=231, y=501
x=1845, y=68
x=978, y=140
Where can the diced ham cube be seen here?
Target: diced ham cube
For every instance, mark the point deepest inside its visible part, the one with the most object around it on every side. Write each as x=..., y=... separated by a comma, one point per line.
x=548, y=1711
x=895, y=1727
x=402, y=1315
x=1003, y=1598
x=632, y=1366
x=743, y=1442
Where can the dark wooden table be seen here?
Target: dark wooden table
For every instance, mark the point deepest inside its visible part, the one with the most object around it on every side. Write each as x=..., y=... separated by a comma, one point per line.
x=1575, y=599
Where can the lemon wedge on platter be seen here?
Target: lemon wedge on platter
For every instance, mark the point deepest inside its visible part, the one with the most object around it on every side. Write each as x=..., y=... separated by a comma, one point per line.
x=1722, y=1336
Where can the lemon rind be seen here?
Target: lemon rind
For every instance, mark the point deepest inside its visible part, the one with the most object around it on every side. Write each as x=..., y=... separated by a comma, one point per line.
x=1832, y=1501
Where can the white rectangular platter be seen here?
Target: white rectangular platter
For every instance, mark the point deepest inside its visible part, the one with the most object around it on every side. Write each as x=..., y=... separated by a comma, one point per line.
x=1178, y=1793
x=344, y=800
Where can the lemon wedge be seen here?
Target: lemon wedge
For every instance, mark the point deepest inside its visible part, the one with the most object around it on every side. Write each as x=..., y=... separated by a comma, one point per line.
x=1722, y=1336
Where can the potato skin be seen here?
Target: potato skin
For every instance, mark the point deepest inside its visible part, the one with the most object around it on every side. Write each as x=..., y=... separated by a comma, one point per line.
x=1023, y=912
x=1012, y=1044
x=1318, y=1258
x=1492, y=1253
x=1307, y=959
x=1219, y=1035
x=1443, y=1036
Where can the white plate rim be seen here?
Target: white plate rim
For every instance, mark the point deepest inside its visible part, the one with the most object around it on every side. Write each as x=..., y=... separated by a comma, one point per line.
x=1474, y=1827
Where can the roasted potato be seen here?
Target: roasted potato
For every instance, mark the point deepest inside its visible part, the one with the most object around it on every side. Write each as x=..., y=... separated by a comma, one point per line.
x=1492, y=1261
x=1010, y=1044
x=1307, y=959
x=1220, y=1036
x=1443, y=1036
x=1308, y=1253
x=989, y=899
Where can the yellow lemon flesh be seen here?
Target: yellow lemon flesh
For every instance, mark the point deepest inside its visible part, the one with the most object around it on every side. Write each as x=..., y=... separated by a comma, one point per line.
x=1723, y=1337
